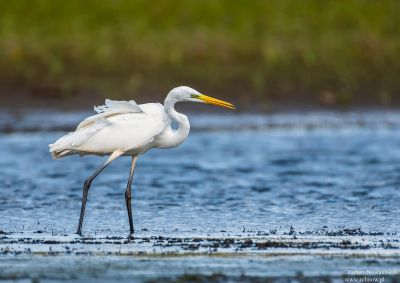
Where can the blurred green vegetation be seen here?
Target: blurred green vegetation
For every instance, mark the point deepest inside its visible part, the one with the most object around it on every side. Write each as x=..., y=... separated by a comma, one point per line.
x=332, y=52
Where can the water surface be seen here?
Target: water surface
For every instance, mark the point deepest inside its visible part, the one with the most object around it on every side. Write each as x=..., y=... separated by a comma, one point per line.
x=321, y=177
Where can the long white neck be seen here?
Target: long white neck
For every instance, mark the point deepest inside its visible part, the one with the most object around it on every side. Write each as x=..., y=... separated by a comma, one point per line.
x=176, y=137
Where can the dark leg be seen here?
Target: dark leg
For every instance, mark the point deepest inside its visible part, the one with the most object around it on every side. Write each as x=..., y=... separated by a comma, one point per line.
x=86, y=187
x=128, y=194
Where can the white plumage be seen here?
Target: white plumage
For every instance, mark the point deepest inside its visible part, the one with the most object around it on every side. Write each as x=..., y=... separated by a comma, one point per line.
x=126, y=128
x=120, y=125
x=111, y=107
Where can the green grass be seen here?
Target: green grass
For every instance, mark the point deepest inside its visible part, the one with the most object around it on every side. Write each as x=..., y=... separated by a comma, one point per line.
x=331, y=51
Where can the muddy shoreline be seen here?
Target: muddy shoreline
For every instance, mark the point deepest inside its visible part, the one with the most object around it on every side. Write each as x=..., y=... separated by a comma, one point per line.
x=346, y=242
x=318, y=256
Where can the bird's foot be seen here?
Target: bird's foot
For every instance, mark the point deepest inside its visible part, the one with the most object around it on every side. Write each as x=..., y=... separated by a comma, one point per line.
x=131, y=235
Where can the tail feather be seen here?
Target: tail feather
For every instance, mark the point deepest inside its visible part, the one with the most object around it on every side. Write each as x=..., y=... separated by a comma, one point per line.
x=70, y=143
x=61, y=147
x=60, y=154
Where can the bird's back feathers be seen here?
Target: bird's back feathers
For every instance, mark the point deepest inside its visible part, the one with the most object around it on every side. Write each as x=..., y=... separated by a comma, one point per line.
x=118, y=105
x=110, y=108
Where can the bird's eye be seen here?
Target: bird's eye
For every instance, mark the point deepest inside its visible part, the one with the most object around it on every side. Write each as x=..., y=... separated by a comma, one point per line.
x=194, y=96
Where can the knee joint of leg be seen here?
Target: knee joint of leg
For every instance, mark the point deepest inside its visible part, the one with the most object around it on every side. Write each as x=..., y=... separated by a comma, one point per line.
x=87, y=183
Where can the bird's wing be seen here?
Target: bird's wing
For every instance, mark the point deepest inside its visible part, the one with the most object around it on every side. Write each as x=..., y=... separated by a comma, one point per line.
x=105, y=134
x=138, y=129
x=110, y=108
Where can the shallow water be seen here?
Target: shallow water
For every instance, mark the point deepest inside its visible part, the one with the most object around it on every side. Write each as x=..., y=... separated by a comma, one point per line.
x=320, y=177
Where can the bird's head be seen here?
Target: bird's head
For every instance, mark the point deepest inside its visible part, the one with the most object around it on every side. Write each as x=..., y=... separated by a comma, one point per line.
x=185, y=93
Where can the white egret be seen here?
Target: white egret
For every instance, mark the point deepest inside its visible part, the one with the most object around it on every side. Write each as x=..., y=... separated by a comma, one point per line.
x=124, y=128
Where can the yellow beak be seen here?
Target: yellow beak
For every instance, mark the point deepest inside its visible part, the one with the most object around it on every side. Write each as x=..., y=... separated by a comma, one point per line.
x=218, y=102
